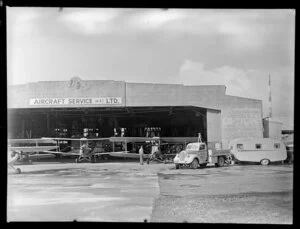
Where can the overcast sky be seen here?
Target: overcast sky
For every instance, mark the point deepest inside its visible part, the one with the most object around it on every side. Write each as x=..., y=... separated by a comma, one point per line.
x=237, y=48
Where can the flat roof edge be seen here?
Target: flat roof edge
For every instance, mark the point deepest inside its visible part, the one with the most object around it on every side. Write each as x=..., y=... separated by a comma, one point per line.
x=246, y=98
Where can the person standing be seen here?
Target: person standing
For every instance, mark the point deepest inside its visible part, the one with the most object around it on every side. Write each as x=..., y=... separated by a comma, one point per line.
x=141, y=152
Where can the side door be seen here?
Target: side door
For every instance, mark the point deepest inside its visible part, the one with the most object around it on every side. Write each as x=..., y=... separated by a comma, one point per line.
x=202, y=153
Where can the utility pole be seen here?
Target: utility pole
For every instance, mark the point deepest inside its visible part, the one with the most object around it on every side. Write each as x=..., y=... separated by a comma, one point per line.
x=270, y=98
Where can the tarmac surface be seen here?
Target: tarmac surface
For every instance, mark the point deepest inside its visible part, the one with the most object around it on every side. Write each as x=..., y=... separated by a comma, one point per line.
x=130, y=192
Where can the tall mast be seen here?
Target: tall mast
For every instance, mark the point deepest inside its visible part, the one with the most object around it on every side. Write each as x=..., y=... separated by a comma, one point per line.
x=270, y=98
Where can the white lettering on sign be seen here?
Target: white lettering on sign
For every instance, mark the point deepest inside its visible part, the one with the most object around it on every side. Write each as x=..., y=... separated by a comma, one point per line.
x=75, y=101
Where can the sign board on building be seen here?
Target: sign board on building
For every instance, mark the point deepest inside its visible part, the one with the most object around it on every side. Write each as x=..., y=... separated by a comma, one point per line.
x=75, y=101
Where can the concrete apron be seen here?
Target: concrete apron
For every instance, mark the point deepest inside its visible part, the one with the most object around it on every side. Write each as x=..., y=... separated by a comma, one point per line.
x=82, y=192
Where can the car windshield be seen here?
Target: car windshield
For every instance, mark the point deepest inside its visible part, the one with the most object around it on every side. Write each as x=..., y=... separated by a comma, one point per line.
x=192, y=147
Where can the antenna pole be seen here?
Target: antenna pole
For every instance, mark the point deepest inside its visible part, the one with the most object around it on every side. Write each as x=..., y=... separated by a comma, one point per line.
x=270, y=98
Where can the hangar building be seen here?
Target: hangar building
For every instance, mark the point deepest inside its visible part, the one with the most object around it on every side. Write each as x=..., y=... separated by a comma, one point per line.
x=100, y=108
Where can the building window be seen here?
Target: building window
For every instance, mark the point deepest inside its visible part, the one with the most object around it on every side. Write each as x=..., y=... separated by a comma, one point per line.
x=240, y=146
x=277, y=145
x=257, y=146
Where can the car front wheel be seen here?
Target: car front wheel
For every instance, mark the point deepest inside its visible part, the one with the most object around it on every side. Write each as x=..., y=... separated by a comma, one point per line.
x=194, y=164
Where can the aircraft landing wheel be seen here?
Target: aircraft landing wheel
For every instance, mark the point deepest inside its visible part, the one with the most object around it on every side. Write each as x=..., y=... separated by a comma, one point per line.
x=18, y=171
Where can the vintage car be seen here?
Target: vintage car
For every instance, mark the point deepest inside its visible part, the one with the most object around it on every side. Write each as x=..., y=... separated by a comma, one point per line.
x=196, y=154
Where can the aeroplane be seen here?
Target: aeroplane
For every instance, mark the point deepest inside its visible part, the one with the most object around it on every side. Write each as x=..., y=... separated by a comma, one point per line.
x=90, y=153
x=20, y=150
x=163, y=149
x=86, y=150
x=135, y=141
x=168, y=147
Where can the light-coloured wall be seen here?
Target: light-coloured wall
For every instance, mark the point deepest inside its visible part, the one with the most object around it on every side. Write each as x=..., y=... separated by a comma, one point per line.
x=272, y=129
x=240, y=117
x=213, y=118
x=18, y=96
x=142, y=94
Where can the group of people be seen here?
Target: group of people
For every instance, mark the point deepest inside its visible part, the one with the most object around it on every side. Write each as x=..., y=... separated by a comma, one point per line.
x=154, y=149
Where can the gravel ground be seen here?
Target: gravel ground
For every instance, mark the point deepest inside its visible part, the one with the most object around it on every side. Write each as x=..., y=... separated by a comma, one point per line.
x=266, y=208
x=235, y=194
x=129, y=192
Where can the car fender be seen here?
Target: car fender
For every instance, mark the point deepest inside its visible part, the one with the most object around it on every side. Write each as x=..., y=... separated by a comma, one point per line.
x=191, y=158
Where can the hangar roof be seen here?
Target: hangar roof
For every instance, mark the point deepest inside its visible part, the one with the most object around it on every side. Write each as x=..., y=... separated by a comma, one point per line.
x=108, y=93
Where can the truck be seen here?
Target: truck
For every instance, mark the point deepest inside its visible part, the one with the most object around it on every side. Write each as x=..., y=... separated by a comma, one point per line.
x=197, y=154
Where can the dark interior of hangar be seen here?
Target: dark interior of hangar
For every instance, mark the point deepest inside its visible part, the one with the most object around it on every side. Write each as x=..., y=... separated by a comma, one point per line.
x=107, y=122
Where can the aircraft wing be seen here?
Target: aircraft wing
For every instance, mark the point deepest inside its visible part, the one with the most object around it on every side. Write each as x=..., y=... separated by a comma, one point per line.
x=132, y=139
x=31, y=149
x=75, y=139
x=34, y=156
x=63, y=153
x=98, y=154
x=30, y=140
x=151, y=139
x=53, y=152
x=126, y=154
x=179, y=139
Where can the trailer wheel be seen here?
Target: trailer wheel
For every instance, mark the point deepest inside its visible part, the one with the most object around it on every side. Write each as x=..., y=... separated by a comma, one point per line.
x=265, y=162
x=176, y=166
x=194, y=164
x=221, y=162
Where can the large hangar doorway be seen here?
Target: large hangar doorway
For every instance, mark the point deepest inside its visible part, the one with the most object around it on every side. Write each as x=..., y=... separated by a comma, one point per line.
x=183, y=121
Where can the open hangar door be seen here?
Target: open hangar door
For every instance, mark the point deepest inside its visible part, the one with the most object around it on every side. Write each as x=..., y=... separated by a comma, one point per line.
x=163, y=121
x=183, y=121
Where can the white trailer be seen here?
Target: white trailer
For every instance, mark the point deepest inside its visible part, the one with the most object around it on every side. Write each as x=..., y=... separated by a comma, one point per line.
x=262, y=150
